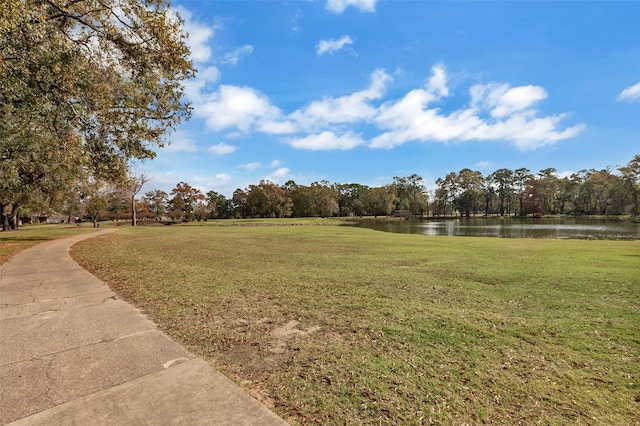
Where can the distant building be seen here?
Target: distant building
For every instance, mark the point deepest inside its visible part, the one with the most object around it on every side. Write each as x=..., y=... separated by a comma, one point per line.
x=401, y=213
x=57, y=218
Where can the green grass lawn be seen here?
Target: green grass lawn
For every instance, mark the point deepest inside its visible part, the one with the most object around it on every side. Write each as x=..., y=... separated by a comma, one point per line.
x=12, y=242
x=341, y=325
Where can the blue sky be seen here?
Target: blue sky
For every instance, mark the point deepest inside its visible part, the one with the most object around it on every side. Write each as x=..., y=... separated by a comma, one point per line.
x=360, y=91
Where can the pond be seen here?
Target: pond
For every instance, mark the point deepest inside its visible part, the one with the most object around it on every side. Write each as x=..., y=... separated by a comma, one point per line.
x=510, y=227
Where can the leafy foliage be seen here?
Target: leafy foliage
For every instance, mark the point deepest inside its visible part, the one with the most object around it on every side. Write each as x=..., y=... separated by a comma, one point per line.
x=86, y=86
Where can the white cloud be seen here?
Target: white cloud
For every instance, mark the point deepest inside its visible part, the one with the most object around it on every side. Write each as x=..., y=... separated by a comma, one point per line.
x=495, y=112
x=234, y=135
x=257, y=165
x=630, y=94
x=408, y=119
x=222, y=149
x=277, y=127
x=205, y=183
x=524, y=131
x=198, y=36
x=194, y=89
x=209, y=74
x=180, y=141
x=326, y=141
x=222, y=178
x=234, y=106
x=402, y=113
x=512, y=117
x=252, y=166
x=295, y=20
x=338, y=6
x=278, y=175
x=345, y=109
x=234, y=57
x=282, y=171
x=438, y=81
x=330, y=46
x=502, y=100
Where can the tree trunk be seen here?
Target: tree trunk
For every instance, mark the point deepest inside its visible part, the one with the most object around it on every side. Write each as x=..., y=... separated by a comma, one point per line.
x=134, y=219
x=522, y=213
x=13, y=218
x=5, y=218
x=634, y=198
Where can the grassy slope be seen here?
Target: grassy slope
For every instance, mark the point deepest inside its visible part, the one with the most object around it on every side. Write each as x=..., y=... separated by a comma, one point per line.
x=401, y=328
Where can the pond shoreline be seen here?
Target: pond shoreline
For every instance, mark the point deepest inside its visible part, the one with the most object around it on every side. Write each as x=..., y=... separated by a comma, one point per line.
x=550, y=227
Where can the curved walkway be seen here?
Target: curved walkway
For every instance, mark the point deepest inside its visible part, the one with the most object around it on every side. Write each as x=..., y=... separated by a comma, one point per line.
x=71, y=352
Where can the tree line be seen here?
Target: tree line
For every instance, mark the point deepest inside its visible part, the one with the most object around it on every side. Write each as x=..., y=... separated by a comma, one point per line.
x=504, y=192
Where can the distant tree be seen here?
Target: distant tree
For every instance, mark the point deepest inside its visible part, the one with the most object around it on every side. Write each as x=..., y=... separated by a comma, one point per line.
x=325, y=199
x=201, y=210
x=605, y=192
x=502, y=181
x=350, y=198
x=631, y=176
x=579, y=192
x=440, y=199
x=117, y=200
x=380, y=201
x=470, y=191
x=444, y=195
x=289, y=186
x=157, y=201
x=133, y=186
x=563, y=198
x=184, y=200
x=267, y=199
x=219, y=205
x=303, y=202
x=71, y=204
x=411, y=194
x=451, y=191
x=94, y=198
x=239, y=202
x=521, y=177
x=320, y=199
x=143, y=210
x=547, y=190
x=531, y=201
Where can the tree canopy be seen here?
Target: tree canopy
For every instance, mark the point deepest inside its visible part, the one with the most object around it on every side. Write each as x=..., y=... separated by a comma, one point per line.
x=87, y=85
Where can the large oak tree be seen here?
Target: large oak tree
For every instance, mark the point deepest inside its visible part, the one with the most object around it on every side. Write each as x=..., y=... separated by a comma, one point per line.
x=87, y=85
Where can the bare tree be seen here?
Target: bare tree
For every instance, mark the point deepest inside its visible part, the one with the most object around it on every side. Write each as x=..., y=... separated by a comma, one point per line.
x=134, y=186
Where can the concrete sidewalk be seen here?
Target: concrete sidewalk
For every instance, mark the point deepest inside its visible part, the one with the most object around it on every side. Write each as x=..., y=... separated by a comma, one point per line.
x=72, y=353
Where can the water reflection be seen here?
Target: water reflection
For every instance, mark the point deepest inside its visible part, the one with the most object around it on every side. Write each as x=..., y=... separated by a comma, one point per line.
x=513, y=228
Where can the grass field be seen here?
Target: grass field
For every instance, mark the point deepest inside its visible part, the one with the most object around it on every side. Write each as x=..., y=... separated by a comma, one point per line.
x=341, y=325
x=12, y=242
